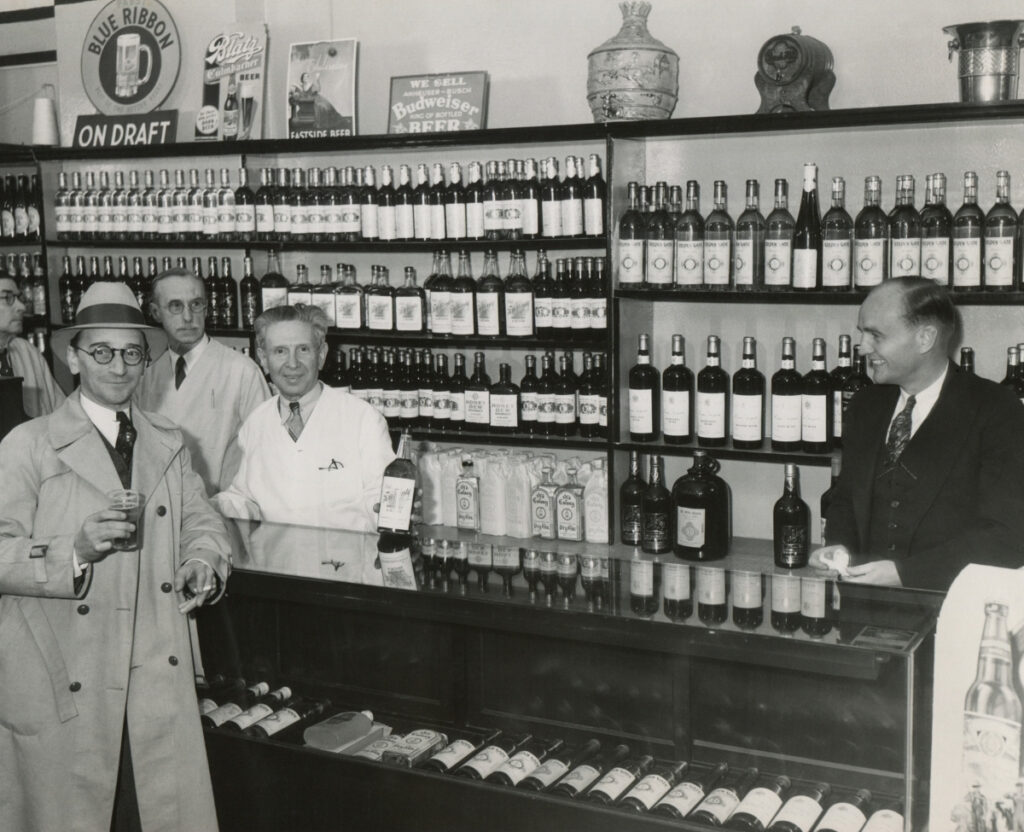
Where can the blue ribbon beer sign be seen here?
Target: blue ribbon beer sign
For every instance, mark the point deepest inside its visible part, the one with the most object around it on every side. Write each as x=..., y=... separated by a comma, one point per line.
x=158, y=127
x=441, y=103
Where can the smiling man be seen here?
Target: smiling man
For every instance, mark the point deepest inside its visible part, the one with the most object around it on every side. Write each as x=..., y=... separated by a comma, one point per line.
x=933, y=458
x=40, y=393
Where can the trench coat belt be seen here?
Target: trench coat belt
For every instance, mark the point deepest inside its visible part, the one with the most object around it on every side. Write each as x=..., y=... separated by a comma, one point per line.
x=46, y=641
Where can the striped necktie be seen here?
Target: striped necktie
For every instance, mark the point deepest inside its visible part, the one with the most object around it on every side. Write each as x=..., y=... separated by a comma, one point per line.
x=294, y=421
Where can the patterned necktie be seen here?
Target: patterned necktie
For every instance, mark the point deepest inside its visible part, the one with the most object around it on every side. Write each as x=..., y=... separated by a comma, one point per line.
x=294, y=421
x=899, y=432
x=6, y=370
x=126, y=436
x=179, y=372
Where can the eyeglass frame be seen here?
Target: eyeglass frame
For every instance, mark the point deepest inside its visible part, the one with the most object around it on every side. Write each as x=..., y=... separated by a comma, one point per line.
x=9, y=298
x=143, y=354
x=195, y=306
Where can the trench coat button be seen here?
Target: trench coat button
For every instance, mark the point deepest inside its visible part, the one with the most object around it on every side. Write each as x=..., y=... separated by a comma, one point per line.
x=74, y=687
x=83, y=609
x=173, y=661
x=166, y=587
x=161, y=511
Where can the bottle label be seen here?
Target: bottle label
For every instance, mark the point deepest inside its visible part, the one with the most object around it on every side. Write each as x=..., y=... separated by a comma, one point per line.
x=519, y=313
x=655, y=531
x=409, y=405
x=746, y=590
x=641, y=411
x=387, y=217
x=935, y=259
x=546, y=408
x=542, y=313
x=227, y=711
x=542, y=507
x=590, y=409
x=487, y=321
x=837, y=414
x=380, y=312
x=746, y=418
x=273, y=296
x=347, y=311
x=991, y=749
x=793, y=544
x=405, y=223
x=999, y=261
x=786, y=418
x=487, y=760
x=649, y=790
x=631, y=262
x=717, y=257
x=761, y=803
x=425, y=403
x=445, y=404
x=315, y=220
x=659, y=262
x=599, y=313
x=518, y=766
x=572, y=217
x=504, y=410
x=478, y=407
x=462, y=313
x=396, y=497
x=422, y=225
x=392, y=403
x=452, y=753
x=675, y=578
x=885, y=820
x=437, y=222
x=641, y=577
x=549, y=772
x=530, y=213
x=812, y=597
x=778, y=262
x=251, y=716
x=711, y=415
x=614, y=782
x=805, y=268
x=743, y=262
x=689, y=262
x=475, y=220
x=440, y=312
x=683, y=797
x=580, y=778
x=603, y=411
x=675, y=412
x=245, y=218
x=551, y=219
x=264, y=219
x=720, y=804
x=206, y=706
x=225, y=219
x=814, y=418
x=408, y=313
x=802, y=811
x=631, y=523
x=835, y=263
x=690, y=526
x=561, y=313
x=869, y=262
x=906, y=256
x=843, y=817
x=710, y=585
x=565, y=409
x=375, y=750
x=593, y=217
x=527, y=407
x=467, y=505
x=579, y=310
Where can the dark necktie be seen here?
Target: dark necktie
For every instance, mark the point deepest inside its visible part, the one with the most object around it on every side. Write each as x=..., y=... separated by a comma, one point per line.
x=294, y=421
x=179, y=372
x=6, y=370
x=126, y=436
x=899, y=432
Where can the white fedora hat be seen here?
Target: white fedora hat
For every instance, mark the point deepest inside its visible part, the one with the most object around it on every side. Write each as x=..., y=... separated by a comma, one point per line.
x=108, y=305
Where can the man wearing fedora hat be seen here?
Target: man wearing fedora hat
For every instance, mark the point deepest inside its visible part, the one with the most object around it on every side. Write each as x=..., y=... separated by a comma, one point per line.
x=40, y=393
x=98, y=714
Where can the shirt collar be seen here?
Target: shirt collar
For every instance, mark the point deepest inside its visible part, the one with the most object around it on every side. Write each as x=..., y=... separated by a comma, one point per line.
x=927, y=397
x=306, y=403
x=192, y=356
x=103, y=417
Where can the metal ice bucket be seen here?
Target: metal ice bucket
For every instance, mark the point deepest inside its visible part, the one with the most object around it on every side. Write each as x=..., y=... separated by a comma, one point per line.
x=989, y=58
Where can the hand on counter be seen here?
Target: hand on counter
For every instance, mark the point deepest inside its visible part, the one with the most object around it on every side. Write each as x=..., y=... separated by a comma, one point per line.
x=830, y=561
x=878, y=572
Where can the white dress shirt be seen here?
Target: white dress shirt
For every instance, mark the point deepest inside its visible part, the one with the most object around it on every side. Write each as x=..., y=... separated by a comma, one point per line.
x=923, y=403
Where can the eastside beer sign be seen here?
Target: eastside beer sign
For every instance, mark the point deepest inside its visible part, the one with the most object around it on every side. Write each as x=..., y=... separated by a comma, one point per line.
x=130, y=57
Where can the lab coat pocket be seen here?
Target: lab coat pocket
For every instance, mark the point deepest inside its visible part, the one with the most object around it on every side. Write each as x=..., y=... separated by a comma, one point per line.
x=26, y=697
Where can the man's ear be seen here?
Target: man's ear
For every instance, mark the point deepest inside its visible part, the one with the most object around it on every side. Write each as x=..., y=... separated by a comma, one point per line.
x=261, y=357
x=72, y=357
x=926, y=337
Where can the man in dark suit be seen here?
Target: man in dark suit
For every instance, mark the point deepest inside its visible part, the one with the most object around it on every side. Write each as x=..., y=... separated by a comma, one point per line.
x=933, y=458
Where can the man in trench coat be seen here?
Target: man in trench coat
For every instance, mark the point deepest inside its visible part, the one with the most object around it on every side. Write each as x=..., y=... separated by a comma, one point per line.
x=98, y=713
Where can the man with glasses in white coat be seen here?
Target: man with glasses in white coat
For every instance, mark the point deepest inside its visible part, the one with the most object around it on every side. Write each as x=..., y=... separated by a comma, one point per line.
x=40, y=393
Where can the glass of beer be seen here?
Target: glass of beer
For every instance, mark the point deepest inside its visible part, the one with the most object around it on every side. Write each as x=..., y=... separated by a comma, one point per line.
x=131, y=503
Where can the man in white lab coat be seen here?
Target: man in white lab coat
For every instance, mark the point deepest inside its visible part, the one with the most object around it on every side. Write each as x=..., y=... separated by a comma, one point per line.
x=313, y=457
x=40, y=393
x=203, y=386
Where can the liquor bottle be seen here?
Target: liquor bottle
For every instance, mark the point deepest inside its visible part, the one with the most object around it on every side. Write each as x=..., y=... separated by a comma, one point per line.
x=631, y=503
x=39, y=307
x=591, y=580
x=478, y=395
x=904, y=231
x=871, y=238
x=747, y=599
x=449, y=201
x=524, y=762
x=245, y=208
x=542, y=287
x=561, y=301
x=785, y=615
x=76, y=205
x=21, y=207
x=273, y=285
x=518, y=294
x=619, y=778
x=368, y=215
x=227, y=314
x=557, y=763
x=297, y=714
x=405, y=213
x=426, y=203
x=62, y=208
x=409, y=304
x=677, y=600
x=398, y=491
x=644, y=584
x=603, y=383
x=211, y=211
x=265, y=207
x=504, y=402
x=339, y=374
x=528, y=397
x=701, y=501
x=571, y=198
x=936, y=231
x=778, y=244
x=527, y=194
x=632, y=237
x=644, y=396
x=263, y=707
x=546, y=396
x=133, y=208
x=826, y=500
x=712, y=594
x=462, y=295
x=350, y=205
x=387, y=213
x=847, y=815
x=472, y=197
x=584, y=773
x=967, y=360
x=579, y=293
x=992, y=708
x=689, y=234
x=857, y=380
x=748, y=400
x=1000, y=238
x=550, y=199
x=791, y=520
x=594, y=195
x=837, y=242
x=818, y=606
x=66, y=290
x=301, y=290
x=759, y=806
x=968, y=230
x=589, y=388
x=457, y=751
x=718, y=237
x=816, y=408
x=716, y=808
x=748, y=256
x=511, y=215
x=802, y=809
x=438, y=288
x=837, y=378
x=656, y=512
x=236, y=702
x=677, y=397
x=118, y=209
x=441, y=393
x=660, y=242
x=317, y=207
x=489, y=758
x=807, y=240
x=490, y=298
x=688, y=792
x=712, y=399
x=226, y=208
x=566, y=394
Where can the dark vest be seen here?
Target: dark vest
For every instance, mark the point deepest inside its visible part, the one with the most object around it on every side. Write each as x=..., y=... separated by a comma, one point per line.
x=124, y=469
x=891, y=495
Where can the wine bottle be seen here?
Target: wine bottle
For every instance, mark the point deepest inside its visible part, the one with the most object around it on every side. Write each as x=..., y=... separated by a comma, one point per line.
x=787, y=400
x=653, y=787
x=748, y=400
x=847, y=815
x=557, y=764
x=904, y=231
x=218, y=687
x=619, y=778
x=590, y=580
x=504, y=402
x=718, y=236
x=968, y=228
x=632, y=235
x=644, y=583
x=778, y=244
x=701, y=501
x=689, y=234
x=387, y=209
x=785, y=617
x=519, y=315
x=462, y=298
x=528, y=190
x=590, y=386
x=630, y=503
x=237, y=701
x=410, y=304
x=967, y=360
x=807, y=248
x=656, y=511
x=791, y=523
x=594, y=194
x=568, y=565
x=439, y=296
x=542, y=287
x=579, y=291
x=677, y=601
x=677, y=397
x=816, y=413
x=856, y=381
x=456, y=752
x=1000, y=239
x=826, y=500
x=273, y=285
x=297, y=713
x=571, y=198
x=688, y=792
x=491, y=756
x=454, y=204
x=716, y=808
x=712, y=608
x=561, y=301
x=936, y=233
x=644, y=396
x=263, y=707
x=712, y=398
x=583, y=775
x=490, y=298
x=566, y=394
x=871, y=238
x=836, y=379
x=886, y=820
x=800, y=812
x=659, y=242
x=837, y=242
x=818, y=606
x=747, y=599
x=748, y=257
x=550, y=199
x=398, y=491
x=524, y=762
x=759, y=806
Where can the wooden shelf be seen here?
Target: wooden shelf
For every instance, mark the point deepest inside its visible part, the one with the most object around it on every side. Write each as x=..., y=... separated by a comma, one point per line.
x=789, y=297
x=727, y=451
x=581, y=339
x=392, y=246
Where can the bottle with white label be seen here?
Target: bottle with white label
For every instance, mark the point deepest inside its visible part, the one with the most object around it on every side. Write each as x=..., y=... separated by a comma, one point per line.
x=837, y=378
x=467, y=497
x=456, y=752
x=438, y=287
x=689, y=233
x=807, y=262
x=619, y=778
x=816, y=411
x=569, y=511
x=968, y=231
x=410, y=303
x=677, y=397
x=490, y=298
x=594, y=191
x=398, y=491
x=847, y=814
x=595, y=505
x=716, y=808
x=644, y=396
x=558, y=763
x=677, y=598
x=519, y=314
x=759, y=806
x=999, y=272
x=571, y=199
x=264, y=707
x=550, y=199
x=748, y=252
x=801, y=811
x=712, y=415
x=524, y=762
x=712, y=592
x=542, y=503
x=886, y=820
x=785, y=617
x=748, y=400
x=298, y=712
x=718, y=241
x=787, y=398
x=660, y=241
x=235, y=703
x=504, y=402
x=644, y=581
x=688, y=792
x=478, y=395
x=528, y=196
x=489, y=758
x=778, y=243
x=747, y=599
x=871, y=238
x=819, y=606
x=583, y=775
x=936, y=231
x=454, y=205
x=837, y=242
x=462, y=298
x=632, y=235
x=701, y=500
x=653, y=787
x=904, y=231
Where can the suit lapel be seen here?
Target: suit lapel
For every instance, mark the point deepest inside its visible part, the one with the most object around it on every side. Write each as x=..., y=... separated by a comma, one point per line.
x=79, y=446
x=154, y=451
x=863, y=460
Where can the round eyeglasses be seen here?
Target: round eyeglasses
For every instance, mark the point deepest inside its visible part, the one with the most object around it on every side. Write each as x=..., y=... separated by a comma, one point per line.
x=102, y=354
